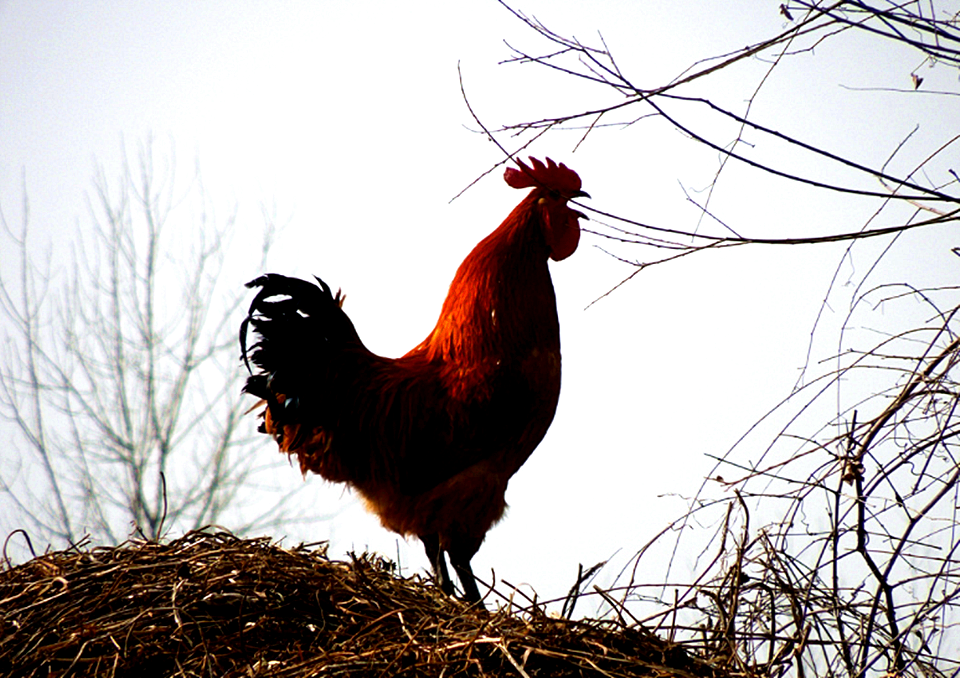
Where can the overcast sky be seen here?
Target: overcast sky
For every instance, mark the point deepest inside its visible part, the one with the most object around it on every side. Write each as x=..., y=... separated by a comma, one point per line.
x=348, y=120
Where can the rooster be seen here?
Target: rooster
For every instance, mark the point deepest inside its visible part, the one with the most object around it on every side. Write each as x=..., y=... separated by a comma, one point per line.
x=431, y=439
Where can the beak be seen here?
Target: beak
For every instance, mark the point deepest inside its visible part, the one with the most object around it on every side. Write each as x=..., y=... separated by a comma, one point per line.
x=580, y=194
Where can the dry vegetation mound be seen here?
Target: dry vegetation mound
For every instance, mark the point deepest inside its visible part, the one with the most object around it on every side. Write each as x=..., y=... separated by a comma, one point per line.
x=212, y=604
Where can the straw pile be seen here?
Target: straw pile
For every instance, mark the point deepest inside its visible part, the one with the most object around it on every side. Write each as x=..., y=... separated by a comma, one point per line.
x=212, y=604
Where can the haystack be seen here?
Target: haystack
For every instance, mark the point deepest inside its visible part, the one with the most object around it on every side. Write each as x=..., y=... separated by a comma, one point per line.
x=213, y=604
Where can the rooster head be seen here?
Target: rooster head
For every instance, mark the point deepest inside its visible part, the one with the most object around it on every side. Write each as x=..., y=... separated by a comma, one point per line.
x=555, y=184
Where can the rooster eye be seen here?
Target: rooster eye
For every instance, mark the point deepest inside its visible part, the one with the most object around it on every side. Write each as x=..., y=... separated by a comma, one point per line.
x=554, y=195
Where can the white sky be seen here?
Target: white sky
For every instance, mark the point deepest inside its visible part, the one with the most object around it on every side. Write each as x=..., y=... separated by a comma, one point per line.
x=350, y=122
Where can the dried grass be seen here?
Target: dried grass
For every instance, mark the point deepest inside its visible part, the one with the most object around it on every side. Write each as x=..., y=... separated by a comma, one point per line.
x=213, y=604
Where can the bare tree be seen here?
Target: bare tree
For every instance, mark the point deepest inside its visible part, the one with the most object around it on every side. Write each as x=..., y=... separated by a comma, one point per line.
x=829, y=547
x=738, y=136
x=120, y=374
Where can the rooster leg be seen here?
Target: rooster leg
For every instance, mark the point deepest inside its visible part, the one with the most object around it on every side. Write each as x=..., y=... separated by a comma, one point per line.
x=431, y=544
x=462, y=567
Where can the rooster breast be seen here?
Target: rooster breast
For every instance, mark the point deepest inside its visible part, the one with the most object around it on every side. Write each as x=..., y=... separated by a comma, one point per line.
x=492, y=369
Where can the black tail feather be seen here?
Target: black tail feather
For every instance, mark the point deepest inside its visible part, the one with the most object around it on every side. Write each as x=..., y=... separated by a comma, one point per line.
x=300, y=333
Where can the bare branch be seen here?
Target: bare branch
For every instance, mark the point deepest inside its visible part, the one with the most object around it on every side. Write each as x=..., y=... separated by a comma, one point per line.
x=122, y=380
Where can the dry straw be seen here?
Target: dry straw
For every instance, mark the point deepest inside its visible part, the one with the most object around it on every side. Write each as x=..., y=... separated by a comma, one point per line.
x=213, y=604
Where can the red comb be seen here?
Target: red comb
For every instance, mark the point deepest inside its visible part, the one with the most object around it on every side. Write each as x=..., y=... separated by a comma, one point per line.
x=551, y=176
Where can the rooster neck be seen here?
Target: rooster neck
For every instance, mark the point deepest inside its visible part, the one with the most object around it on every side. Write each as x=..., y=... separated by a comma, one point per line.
x=501, y=304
